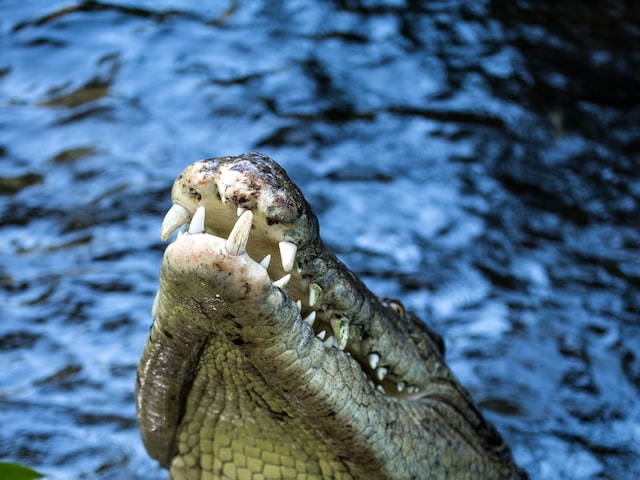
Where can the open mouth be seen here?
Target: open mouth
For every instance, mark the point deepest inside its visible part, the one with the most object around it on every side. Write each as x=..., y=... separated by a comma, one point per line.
x=257, y=326
x=231, y=208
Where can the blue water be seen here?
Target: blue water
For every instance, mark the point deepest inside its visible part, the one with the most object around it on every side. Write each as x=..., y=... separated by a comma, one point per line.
x=479, y=160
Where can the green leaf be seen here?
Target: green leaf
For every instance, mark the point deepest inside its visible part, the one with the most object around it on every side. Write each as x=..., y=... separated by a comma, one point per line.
x=13, y=471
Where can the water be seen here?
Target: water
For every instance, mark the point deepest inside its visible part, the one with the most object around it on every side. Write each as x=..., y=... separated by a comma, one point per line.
x=478, y=160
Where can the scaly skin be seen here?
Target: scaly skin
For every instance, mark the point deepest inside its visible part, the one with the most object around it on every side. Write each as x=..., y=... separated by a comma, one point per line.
x=248, y=376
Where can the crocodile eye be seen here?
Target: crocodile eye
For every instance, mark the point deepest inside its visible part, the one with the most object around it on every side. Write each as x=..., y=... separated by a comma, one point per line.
x=397, y=306
x=394, y=305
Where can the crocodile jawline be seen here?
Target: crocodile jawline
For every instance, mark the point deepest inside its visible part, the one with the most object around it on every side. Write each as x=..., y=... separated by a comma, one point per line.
x=358, y=382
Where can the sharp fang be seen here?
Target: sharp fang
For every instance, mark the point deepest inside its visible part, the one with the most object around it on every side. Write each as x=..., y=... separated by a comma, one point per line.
x=266, y=261
x=310, y=319
x=322, y=334
x=197, y=222
x=288, y=254
x=240, y=211
x=373, y=358
x=381, y=372
x=331, y=342
x=239, y=236
x=400, y=386
x=299, y=305
x=283, y=281
x=176, y=216
x=340, y=327
x=381, y=389
x=314, y=293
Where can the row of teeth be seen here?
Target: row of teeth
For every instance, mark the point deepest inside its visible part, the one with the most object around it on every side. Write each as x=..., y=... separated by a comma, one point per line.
x=237, y=245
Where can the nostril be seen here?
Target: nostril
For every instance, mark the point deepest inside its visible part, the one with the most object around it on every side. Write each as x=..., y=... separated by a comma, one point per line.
x=194, y=193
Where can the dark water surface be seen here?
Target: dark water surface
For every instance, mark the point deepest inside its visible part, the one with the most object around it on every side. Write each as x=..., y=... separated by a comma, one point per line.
x=478, y=160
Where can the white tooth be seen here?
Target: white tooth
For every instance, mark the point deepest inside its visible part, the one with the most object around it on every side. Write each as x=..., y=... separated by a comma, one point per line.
x=322, y=334
x=266, y=261
x=240, y=211
x=239, y=236
x=314, y=293
x=381, y=389
x=154, y=307
x=373, y=358
x=299, y=305
x=340, y=327
x=197, y=222
x=283, y=281
x=176, y=216
x=381, y=372
x=288, y=254
x=310, y=318
x=400, y=386
x=331, y=342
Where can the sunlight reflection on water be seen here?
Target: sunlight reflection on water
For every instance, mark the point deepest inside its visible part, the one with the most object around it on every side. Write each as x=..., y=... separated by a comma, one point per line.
x=486, y=177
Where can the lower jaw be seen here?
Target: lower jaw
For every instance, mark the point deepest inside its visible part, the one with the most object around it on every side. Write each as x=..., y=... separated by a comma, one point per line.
x=336, y=306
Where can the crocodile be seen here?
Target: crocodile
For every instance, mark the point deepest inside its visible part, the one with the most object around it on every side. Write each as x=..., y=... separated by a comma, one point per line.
x=269, y=358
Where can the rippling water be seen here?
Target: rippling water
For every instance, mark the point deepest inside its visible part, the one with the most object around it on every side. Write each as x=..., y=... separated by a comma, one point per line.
x=479, y=160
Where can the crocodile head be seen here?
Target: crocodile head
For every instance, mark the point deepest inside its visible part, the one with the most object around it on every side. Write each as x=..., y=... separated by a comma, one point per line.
x=269, y=357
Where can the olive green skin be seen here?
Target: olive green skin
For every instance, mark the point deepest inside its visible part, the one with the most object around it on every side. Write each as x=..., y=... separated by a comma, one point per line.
x=234, y=383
